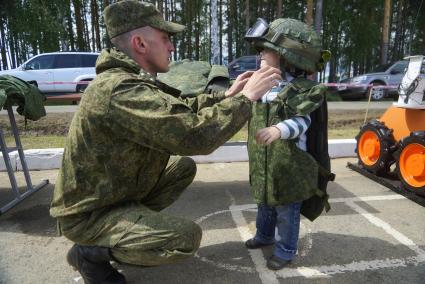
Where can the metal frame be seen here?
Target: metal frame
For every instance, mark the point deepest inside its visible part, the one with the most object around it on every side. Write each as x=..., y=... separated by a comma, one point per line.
x=10, y=171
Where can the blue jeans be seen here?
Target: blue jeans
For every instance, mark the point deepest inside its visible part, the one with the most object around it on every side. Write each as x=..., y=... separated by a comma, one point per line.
x=279, y=225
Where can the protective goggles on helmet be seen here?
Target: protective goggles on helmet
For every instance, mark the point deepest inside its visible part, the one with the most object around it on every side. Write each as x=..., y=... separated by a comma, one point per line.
x=262, y=31
x=257, y=31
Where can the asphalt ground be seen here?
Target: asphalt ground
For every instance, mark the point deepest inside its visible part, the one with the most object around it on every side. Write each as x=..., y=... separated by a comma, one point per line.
x=371, y=235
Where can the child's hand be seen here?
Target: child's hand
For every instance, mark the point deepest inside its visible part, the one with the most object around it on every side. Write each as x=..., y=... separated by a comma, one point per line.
x=267, y=135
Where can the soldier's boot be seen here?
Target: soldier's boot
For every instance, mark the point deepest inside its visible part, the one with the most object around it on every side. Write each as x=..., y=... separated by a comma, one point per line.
x=93, y=264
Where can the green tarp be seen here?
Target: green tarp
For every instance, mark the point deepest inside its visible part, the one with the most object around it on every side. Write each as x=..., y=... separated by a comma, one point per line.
x=195, y=77
x=28, y=98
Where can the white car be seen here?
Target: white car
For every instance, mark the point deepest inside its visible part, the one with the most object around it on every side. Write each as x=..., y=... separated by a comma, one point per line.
x=58, y=72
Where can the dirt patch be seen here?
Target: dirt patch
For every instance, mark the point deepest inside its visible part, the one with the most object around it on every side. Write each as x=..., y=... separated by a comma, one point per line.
x=351, y=118
x=52, y=124
x=58, y=123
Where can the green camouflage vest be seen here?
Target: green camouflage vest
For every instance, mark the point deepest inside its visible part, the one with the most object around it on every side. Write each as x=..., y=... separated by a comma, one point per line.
x=281, y=173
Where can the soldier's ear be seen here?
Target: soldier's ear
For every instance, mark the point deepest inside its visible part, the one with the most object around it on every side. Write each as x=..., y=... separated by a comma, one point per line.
x=138, y=44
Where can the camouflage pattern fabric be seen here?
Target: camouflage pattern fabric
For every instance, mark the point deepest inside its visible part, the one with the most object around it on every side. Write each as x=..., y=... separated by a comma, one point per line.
x=135, y=230
x=297, y=42
x=126, y=128
x=194, y=77
x=128, y=15
x=303, y=96
x=28, y=98
x=281, y=173
x=119, y=144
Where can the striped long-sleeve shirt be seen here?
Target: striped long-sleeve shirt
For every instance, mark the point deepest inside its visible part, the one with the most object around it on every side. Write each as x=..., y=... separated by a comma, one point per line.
x=295, y=127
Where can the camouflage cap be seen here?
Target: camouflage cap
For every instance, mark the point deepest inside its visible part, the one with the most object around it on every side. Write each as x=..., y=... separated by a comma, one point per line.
x=128, y=15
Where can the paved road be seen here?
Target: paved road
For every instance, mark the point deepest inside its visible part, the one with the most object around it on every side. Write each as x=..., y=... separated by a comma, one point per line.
x=358, y=105
x=332, y=106
x=371, y=235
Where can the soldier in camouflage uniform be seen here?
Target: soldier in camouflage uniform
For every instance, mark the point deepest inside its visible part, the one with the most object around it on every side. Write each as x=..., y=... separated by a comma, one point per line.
x=282, y=173
x=117, y=171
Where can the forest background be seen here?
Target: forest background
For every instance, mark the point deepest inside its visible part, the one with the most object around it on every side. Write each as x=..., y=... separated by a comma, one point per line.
x=361, y=34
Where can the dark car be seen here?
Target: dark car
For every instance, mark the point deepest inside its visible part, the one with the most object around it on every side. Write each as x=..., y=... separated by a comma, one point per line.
x=384, y=83
x=242, y=64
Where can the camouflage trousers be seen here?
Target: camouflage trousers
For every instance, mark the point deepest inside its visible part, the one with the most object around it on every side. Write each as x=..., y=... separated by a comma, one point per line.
x=136, y=231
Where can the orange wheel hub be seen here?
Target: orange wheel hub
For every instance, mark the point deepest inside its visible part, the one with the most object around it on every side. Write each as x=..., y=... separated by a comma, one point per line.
x=412, y=164
x=369, y=148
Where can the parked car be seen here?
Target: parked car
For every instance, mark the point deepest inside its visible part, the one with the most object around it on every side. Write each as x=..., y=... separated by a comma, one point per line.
x=389, y=76
x=242, y=64
x=57, y=72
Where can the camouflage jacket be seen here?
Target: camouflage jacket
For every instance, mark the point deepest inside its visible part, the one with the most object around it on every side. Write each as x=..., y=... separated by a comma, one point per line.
x=281, y=173
x=127, y=126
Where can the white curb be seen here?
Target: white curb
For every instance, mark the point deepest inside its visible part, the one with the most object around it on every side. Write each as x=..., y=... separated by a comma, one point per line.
x=41, y=159
x=12, y=157
x=45, y=159
x=339, y=148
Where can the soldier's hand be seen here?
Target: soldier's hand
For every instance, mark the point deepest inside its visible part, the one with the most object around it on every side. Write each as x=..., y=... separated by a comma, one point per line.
x=239, y=83
x=267, y=135
x=261, y=81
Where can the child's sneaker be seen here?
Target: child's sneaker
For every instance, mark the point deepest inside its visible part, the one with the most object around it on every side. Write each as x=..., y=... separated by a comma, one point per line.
x=253, y=244
x=276, y=263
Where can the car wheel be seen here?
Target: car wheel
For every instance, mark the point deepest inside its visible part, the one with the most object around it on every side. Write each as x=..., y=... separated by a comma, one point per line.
x=34, y=83
x=82, y=87
x=378, y=92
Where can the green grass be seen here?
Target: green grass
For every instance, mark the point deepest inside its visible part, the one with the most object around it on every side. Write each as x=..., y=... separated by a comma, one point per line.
x=54, y=141
x=344, y=133
x=51, y=131
x=38, y=142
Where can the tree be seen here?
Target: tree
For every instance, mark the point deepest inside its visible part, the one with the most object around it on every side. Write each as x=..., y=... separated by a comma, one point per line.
x=214, y=33
x=385, y=32
x=3, y=53
x=247, y=21
x=309, y=13
x=279, y=9
x=230, y=17
x=318, y=16
x=79, y=22
x=95, y=25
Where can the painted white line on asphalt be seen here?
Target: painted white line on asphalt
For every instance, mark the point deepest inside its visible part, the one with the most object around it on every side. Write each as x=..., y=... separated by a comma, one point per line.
x=367, y=198
x=226, y=266
x=268, y=276
x=257, y=256
x=387, y=228
x=308, y=245
x=307, y=272
x=321, y=271
x=201, y=219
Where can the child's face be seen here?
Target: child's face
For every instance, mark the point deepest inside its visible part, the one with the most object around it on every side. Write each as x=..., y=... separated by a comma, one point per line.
x=269, y=57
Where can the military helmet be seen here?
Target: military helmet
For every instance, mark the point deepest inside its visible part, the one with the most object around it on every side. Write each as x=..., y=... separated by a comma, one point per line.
x=294, y=40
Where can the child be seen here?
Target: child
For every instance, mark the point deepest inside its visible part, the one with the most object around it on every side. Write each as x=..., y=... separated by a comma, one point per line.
x=282, y=173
